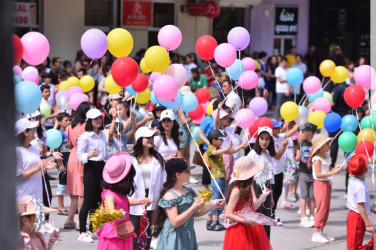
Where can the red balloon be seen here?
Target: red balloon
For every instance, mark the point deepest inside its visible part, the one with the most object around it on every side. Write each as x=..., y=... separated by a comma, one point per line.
x=124, y=71
x=261, y=122
x=253, y=129
x=364, y=147
x=354, y=96
x=18, y=49
x=202, y=95
x=197, y=113
x=140, y=83
x=205, y=47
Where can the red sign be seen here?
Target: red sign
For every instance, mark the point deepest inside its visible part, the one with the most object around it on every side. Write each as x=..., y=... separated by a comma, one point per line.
x=137, y=13
x=210, y=9
x=24, y=14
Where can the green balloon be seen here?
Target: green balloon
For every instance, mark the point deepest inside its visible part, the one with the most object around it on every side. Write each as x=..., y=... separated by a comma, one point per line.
x=366, y=122
x=373, y=119
x=347, y=141
x=328, y=96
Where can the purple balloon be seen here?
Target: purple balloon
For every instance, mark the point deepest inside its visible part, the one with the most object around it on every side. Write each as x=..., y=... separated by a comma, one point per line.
x=60, y=93
x=239, y=38
x=94, y=43
x=154, y=75
x=258, y=106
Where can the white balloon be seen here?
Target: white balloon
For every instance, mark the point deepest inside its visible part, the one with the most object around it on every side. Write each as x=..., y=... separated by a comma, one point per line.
x=27, y=70
x=61, y=101
x=178, y=72
x=303, y=115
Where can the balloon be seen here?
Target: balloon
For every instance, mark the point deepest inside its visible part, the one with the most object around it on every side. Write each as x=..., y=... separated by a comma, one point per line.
x=74, y=89
x=367, y=134
x=17, y=70
x=54, y=138
x=178, y=72
x=120, y=42
x=347, y=141
x=18, y=49
x=258, y=105
x=225, y=55
x=209, y=108
x=349, y=123
x=189, y=102
x=205, y=47
x=244, y=118
x=322, y=104
x=45, y=109
x=363, y=76
x=87, y=83
x=130, y=90
x=303, y=116
x=195, y=132
x=28, y=70
x=153, y=98
x=332, y=122
x=16, y=79
x=327, y=68
x=154, y=75
x=311, y=85
x=354, y=96
x=199, y=121
x=60, y=93
x=140, y=83
x=124, y=71
x=248, y=80
x=365, y=148
x=317, y=118
x=289, y=111
x=32, y=76
x=366, y=122
x=144, y=67
x=94, y=43
x=169, y=37
x=197, y=113
x=249, y=64
x=313, y=97
x=73, y=81
x=239, y=38
x=202, y=95
x=165, y=88
x=64, y=85
x=294, y=76
x=340, y=74
x=111, y=86
x=235, y=70
x=36, y=48
x=328, y=97
x=76, y=99
x=205, y=105
x=265, y=122
x=62, y=100
x=27, y=97
x=174, y=104
x=143, y=97
x=157, y=58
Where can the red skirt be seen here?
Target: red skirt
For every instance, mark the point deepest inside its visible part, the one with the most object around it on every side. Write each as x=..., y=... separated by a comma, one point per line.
x=246, y=238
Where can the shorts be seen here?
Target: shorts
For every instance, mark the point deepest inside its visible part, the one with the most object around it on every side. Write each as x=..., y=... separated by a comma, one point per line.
x=186, y=138
x=216, y=194
x=306, y=186
x=61, y=189
x=228, y=160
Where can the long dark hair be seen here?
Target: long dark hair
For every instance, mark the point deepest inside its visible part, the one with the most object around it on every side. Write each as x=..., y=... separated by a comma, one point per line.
x=80, y=114
x=138, y=151
x=174, y=133
x=125, y=187
x=270, y=148
x=89, y=125
x=198, y=74
x=245, y=190
x=40, y=131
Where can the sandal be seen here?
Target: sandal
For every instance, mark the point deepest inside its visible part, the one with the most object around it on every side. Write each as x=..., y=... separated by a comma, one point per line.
x=69, y=224
x=287, y=206
x=63, y=212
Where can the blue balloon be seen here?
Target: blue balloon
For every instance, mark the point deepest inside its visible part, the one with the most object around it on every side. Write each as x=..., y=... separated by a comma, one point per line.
x=54, y=138
x=332, y=122
x=130, y=90
x=153, y=98
x=235, y=70
x=16, y=79
x=189, y=103
x=294, y=76
x=169, y=104
x=349, y=123
x=27, y=96
x=313, y=97
x=195, y=132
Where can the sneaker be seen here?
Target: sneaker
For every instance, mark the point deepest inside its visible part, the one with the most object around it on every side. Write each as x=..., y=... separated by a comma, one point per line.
x=291, y=197
x=330, y=239
x=192, y=180
x=297, y=197
x=319, y=238
x=312, y=219
x=287, y=206
x=92, y=235
x=48, y=228
x=304, y=222
x=84, y=237
x=278, y=221
x=218, y=227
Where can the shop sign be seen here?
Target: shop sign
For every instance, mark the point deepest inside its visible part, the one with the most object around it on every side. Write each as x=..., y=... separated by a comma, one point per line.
x=24, y=14
x=286, y=21
x=137, y=13
x=210, y=9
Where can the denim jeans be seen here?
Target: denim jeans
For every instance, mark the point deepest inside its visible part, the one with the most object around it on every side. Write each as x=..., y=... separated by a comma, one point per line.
x=216, y=194
x=281, y=98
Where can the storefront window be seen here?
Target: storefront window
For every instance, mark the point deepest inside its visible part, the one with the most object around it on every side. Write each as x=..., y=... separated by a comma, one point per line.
x=25, y=16
x=227, y=19
x=164, y=14
x=97, y=13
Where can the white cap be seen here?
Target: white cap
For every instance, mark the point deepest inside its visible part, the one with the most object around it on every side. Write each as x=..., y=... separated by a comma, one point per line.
x=145, y=132
x=114, y=96
x=35, y=114
x=265, y=129
x=185, y=90
x=92, y=114
x=168, y=113
x=23, y=124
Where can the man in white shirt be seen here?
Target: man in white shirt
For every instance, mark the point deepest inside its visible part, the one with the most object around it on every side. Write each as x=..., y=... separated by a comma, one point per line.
x=300, y=65
x=282, y=87
x=232, y=99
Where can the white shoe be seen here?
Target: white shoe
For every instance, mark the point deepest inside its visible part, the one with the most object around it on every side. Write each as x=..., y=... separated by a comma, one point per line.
x=330, y=239
x=84, y=237
x=318, y=238
x=48, y=228
x=304, y=222
x=92, y=235
x=312, y=219
x=192, y=180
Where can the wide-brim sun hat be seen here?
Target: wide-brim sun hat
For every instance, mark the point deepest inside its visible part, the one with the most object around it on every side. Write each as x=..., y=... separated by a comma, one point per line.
x=117, y=167
x=28, y=205
x=244, y=169
x=318, y=141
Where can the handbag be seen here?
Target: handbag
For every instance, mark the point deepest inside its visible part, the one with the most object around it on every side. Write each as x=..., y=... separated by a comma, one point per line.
x=63, y=177
x=124, y=229
x=197, y=159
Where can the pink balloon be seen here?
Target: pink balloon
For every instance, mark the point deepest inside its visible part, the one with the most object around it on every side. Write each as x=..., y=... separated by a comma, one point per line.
x=248, y=80
x=363, y=76
x=36, y=48
x=178, y=72
x=249, y=64
x=245, y=118
x=73, y=90
x=154, y=75
x=258, y=106
x=27, y=70
x=205, y=105
x=76, y=99
x=225, y=54
x=199, y=121
x=322, y=104
x=17, y=70
x=32, y=76
x=170, y=37
x=165, y=88
x=311, y=85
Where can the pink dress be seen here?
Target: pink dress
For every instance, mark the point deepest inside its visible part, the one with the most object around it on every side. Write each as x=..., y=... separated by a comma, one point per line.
x=33, y=243
x=75, y=170
x=107, y=235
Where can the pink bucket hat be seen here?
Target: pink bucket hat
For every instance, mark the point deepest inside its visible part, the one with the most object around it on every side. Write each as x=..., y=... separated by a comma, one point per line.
x=117, y=167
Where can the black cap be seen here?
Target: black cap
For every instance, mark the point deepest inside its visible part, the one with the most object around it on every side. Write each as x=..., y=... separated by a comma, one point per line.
x=308, y=126
x=215, y=134
x=176, y=165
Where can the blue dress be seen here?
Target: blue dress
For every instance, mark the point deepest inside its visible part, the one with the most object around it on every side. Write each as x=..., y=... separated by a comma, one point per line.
x=183, y=237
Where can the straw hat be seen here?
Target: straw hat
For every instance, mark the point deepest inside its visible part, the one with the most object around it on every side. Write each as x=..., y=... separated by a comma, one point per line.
x=244, y=169
x=28, y=205
x=357, y=165
x=318, y=141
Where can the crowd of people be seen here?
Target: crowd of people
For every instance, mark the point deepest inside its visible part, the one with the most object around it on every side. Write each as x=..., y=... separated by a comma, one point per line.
x=136, y=158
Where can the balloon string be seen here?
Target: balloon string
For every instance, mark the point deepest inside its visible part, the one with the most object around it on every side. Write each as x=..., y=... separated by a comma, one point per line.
x=339, y=132
x=233, y=90
x=348, y=158
x=215, y=79
x=322, y=81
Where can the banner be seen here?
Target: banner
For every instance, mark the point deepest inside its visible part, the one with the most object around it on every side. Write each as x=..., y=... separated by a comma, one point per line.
x=137, y=13
x=286, y=21
x=24, y=14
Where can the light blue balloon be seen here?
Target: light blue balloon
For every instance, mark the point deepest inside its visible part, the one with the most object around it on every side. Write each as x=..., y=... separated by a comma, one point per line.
x=195, y=132
x=349, y=123
x=54, y=138
x=235, y=70
x=27, y=96
x=130, y=90
x=16, y=79
x=189, y=103
x=153, y=98
x=169, y=104
x=313, y=97
x=294, y=77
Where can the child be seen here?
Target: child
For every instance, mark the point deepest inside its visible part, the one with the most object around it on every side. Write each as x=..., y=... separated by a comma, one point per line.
x=173, y=217
x=245, y=234
x=260, y=83
x=46, y=93
x=322, y=189
x=214, y=153
x=358, y=202
x=117, y=136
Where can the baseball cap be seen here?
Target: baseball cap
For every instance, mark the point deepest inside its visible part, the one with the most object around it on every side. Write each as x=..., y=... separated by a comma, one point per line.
x=215, y=134
x=186, y=90
x=167, y=114
x=357, y=165
x=176, y=165
x=23, y=124
x=114, y=96
x=222, y=114
x=265, y=129
x=308, y=126
x=93, y=113
x=154, y=123
x=276, y=124
x=145, y=132
x=35, y=114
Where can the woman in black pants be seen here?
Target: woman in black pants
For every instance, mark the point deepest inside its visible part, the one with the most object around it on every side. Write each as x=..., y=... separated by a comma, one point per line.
x=91, y=151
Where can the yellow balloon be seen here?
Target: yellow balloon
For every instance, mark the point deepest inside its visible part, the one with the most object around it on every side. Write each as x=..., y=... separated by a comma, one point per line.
x=367, y=134
x=317, y=117
x=144, y=67
x=200, y=142
x=289, y=111
x=87, y=83
x=209, y=108
x=74, y=81
x=120, y=42
x=340, y=74
x=111, y=86
x=257, y=64
x=143, y=97
x=327, y=68
x=65, y=85
x=157, y=58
